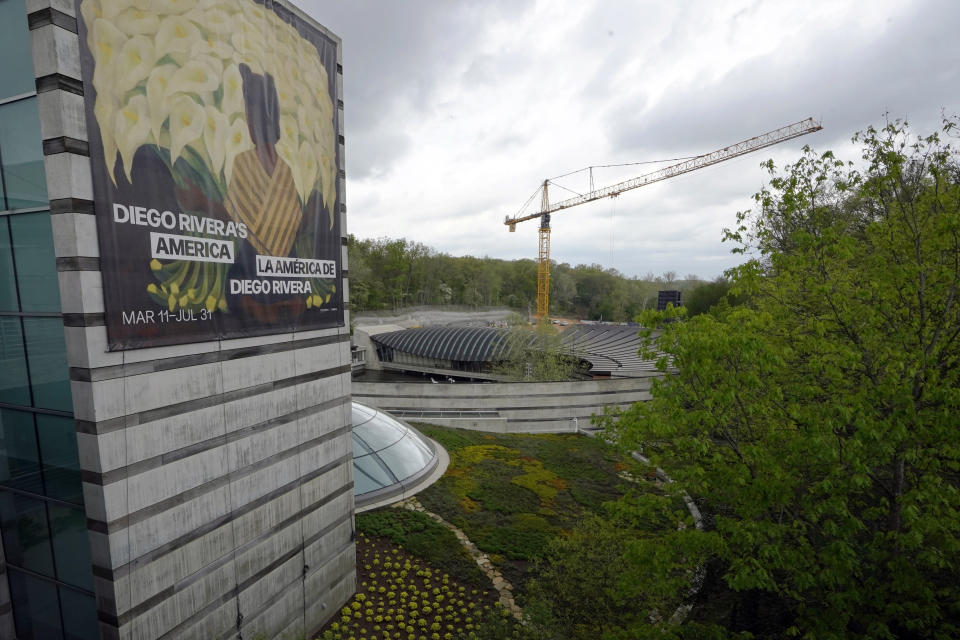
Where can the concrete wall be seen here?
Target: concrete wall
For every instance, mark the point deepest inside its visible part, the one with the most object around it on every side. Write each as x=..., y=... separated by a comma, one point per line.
x=217, y=476
x=519, y=407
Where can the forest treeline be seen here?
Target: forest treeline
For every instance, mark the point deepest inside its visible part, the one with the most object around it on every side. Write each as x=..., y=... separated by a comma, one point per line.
x=389, y=274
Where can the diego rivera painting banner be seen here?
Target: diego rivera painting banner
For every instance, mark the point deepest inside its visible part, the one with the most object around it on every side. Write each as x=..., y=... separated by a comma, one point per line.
x=213, y=146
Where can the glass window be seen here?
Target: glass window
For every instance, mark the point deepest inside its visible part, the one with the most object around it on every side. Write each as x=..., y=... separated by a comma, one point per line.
x=47, y=357
x=16, y=72
x=58, y=453
x=21, y=153
x=14, y=385
x=369, y=474
x=385, y=451
x=79, y=616
x=406, y=458
x=19, y=461
x=361, y=414
x=36, y=262
x=71, y=547
x=26, y=537
x=360, y=448
x=379, y=432
x=8, y=287
x=36, y=611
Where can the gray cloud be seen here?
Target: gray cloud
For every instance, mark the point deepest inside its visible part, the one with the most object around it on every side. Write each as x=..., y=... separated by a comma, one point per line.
x=849, y=80
x=395, y=54
x=417, y=73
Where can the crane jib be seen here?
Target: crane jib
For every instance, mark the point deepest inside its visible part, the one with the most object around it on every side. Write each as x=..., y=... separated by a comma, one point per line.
x=768, y=139
x=714, y=157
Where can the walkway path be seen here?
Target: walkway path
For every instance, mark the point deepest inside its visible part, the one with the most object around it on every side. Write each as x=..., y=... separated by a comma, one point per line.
x=504, y=588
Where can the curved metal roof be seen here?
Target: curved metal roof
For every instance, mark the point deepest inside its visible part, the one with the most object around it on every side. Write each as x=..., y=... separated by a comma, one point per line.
x=465, y=344
x=610, y=349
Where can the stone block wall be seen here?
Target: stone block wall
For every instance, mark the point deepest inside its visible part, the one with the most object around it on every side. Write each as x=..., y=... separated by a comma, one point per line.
x=217, y=476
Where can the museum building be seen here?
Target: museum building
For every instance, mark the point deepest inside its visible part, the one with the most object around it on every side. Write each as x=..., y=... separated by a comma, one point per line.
x=191, y=490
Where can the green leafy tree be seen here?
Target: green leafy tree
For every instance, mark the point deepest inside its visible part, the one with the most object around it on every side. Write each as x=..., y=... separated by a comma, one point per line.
x=387, y=273
x=816, y=423
x=536, y=355
x=702, y=298
x=577, y=593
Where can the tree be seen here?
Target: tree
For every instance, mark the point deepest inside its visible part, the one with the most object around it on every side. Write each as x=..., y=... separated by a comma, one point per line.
x=563, y=289
x=706, y=295
x=537, y=355
x=816, y=422
x=577, y=593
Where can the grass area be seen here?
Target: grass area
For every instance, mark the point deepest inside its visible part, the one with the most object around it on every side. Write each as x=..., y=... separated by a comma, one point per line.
x=513, y=493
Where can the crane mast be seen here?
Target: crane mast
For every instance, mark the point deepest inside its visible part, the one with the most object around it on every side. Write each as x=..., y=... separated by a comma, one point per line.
x=743, y=147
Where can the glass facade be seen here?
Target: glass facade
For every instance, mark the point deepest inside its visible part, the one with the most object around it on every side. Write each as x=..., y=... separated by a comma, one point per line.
x=386, y=452
x=42, y=519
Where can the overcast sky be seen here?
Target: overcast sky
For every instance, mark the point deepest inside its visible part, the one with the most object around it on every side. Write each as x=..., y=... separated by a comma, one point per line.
x=455, y=112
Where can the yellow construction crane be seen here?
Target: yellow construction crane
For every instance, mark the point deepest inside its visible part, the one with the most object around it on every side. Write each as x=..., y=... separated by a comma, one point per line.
x=768, y=139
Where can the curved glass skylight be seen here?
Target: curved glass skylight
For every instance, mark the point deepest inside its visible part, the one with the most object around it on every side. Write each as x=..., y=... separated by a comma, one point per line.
x=388, y=456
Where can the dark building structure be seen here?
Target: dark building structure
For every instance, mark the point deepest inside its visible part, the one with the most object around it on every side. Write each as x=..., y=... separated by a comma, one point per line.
x=667, y=297
x=200, y=490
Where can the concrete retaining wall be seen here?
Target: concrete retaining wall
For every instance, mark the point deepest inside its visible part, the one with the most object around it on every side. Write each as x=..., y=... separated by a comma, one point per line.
x=520, y=407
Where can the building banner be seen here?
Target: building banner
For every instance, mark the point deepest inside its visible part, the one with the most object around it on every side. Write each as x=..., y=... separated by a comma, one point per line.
x=213, y=146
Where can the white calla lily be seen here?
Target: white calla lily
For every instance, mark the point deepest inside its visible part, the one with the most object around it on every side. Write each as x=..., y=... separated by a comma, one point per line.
x=158, y=96
x=132, y=129
x=215, y=133
x=90, y=10
x=105, y=111
x=187, y=119
x=306, y=50
x=328, y=180
x=166, y=7
x=112, y=8
x=247, y=42
x=137, y=22
x=307, y=121
x=326, y=150
x=212, y=48
x=134, y=63
x=215, y=22
x=108, y=42
x=314, y=87
x=286, y=96
x=223, y=5
x=321, y=98
x=176, y=35
x=232, y=100
x=238, y=141
x=289, y=131
x=199, y=75
x=305, y=171
x=254, y=13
